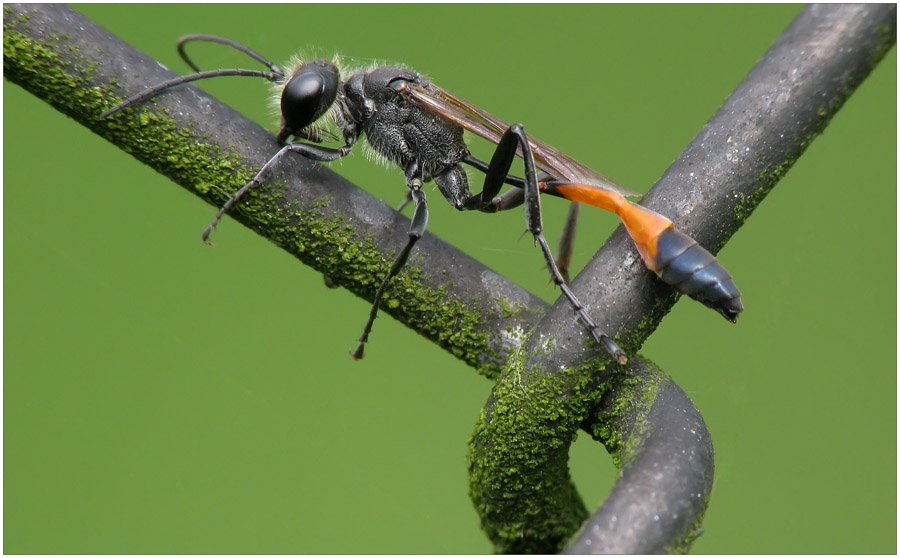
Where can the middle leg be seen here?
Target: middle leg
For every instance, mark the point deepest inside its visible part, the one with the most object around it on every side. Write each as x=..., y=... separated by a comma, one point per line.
x=416, y=230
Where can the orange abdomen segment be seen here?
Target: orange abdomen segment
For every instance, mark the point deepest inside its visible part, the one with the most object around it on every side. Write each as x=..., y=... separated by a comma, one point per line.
x=643, y=225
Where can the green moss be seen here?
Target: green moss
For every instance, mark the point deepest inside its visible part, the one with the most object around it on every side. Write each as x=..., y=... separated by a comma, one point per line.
x=632, y=341
x=608, y=429
x=682, y=544
x=518, y=460
x=508, y=309
x=635, y=437
x=520, y=482
x=624, y=429
x=887, y=37
x=767, y=179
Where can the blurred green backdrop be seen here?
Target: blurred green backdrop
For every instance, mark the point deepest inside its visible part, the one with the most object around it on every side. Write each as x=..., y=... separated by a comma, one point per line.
x=150, y=406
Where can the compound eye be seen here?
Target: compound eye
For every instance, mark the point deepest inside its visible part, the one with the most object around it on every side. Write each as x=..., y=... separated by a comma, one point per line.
x=309, y=94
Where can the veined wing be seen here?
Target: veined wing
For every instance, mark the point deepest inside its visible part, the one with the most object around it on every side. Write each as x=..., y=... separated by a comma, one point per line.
x=491, y=128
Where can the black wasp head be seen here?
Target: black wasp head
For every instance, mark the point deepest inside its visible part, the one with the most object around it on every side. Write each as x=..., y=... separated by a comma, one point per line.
x=308, y=94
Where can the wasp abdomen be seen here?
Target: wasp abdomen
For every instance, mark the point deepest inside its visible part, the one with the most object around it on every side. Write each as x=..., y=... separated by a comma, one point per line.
x=688, y=267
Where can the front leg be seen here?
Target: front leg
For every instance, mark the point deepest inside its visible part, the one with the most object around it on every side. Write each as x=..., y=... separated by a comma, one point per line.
x=314, y=152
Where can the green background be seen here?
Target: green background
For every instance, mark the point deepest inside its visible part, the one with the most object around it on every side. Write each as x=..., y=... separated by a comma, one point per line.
x=161, y=396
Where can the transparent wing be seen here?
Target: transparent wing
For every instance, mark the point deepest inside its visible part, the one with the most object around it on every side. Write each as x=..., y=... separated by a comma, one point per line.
x=491, y=128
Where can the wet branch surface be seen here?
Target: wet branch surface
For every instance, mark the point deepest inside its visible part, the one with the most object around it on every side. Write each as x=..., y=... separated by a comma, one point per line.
x=550, y=382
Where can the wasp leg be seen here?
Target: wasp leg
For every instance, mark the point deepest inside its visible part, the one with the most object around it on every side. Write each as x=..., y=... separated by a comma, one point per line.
x=514, y=198
x=507, y=200
x=510, y=179
x=314, y=152
x=567, y=241
x=416, y=230
x=405, y=201
x=496, y=174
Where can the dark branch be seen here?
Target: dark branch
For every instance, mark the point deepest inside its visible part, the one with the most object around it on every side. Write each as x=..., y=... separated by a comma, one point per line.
x=479, y=316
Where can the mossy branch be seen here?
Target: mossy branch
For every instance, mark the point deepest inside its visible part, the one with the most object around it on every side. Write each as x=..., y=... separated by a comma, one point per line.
x=550, y=386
